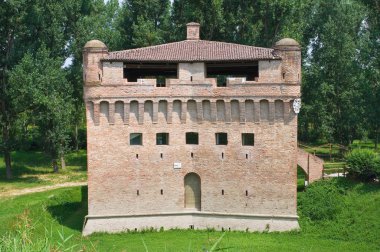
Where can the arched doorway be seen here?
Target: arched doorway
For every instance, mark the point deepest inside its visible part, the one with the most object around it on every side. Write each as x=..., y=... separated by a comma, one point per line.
x=193, y=191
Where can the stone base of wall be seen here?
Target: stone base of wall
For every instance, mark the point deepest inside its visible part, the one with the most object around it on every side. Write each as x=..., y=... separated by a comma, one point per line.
x=186, y=220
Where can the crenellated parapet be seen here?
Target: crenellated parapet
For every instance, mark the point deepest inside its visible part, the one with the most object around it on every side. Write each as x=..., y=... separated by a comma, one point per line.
x=153, y=111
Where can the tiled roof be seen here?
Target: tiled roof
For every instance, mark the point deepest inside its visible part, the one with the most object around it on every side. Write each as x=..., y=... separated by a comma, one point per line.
x=194, y=51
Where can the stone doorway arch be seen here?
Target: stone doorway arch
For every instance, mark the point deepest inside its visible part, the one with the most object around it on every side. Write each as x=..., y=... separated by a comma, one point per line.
x=192, y=191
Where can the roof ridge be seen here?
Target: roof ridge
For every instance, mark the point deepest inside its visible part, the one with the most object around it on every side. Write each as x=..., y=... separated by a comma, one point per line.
x=146, y=47
x=236, y=44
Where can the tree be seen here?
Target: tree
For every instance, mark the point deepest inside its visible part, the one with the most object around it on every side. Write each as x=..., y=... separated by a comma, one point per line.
x=145, y=33
x=370, y=64
x=332, y=92
x=209, y=13
x=38, y=85
x=24, y=26
x=144, y=22
x=9, y=27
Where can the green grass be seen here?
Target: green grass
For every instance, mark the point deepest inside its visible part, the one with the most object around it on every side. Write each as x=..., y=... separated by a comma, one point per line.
x=48, y=214
x=31, y=169
x=328, y=165
x=369, y=144
x=337, y=167
x=301, y=177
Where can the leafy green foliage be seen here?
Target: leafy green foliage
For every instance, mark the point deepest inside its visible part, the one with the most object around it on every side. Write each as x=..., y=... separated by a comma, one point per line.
x=321, y=201
x=363, y=163
x=331, y=88
x=144, y=22
x=39, y=88
x=145, y=33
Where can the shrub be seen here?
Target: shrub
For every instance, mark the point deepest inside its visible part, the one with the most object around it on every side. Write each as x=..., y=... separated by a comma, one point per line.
x=363, y=164
x=321, y=201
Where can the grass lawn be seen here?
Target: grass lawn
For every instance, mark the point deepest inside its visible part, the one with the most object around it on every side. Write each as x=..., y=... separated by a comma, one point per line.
x=31, y=169
x=54, y=218
x=369, y=144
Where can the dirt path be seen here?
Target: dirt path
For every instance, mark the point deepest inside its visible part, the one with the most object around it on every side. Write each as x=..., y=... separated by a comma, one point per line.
x=40, y=189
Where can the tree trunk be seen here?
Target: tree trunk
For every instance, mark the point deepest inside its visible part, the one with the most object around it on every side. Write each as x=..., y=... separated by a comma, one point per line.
x=76, y=138
x=4, y=107
x=376, y=138
x=7, y=152
x=63, y=162
x=8, y=164
x=55, y=165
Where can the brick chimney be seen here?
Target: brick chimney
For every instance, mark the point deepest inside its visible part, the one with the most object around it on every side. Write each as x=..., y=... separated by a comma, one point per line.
x=193, y=31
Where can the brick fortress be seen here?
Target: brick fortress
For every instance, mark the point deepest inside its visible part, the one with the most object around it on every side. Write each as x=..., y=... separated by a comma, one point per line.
x=192, y=134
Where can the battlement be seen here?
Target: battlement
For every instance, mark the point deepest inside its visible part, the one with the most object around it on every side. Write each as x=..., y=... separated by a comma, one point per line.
x=189, y=111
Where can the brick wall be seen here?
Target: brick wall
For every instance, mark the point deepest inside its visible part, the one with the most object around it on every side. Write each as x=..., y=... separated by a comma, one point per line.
x=270, y=71
x=126, y=179
x=266, y=170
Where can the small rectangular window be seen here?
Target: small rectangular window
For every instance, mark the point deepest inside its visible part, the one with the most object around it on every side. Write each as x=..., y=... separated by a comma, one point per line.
x=221, y=138
x=248, y=139
x=135, y=139
x=162, y=138
x=192, y=138
x=161, y=81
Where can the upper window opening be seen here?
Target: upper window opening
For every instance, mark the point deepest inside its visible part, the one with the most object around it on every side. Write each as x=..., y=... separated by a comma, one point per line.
x=135, y=139
x=162, y=138
x=221, y=139
x=248, y=139
x=158, y=71
x=192, y=138
x=221, y=71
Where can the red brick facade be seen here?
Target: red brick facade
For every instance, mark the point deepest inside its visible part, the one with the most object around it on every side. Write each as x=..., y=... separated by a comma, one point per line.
x=241, y=187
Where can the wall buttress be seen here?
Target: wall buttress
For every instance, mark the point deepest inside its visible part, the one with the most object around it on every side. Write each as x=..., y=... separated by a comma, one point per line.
x=213, y=111
x=141, y=112
x=96, y=113
x=126, y=112
x=199, y=112
x=256, y=108
x=227, y=105
x=242, y=111
x=169, y=112
x=183, y=112
x=271, y=112
x=111, y=113
x=155, y=112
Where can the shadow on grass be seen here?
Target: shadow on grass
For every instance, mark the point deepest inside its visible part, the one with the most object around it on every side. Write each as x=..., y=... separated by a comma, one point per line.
x=346, y=184
x=38, y=163
x=26, y=180
x=19, y=170
x=77, y=159
x=71, y=214
x=31, y=163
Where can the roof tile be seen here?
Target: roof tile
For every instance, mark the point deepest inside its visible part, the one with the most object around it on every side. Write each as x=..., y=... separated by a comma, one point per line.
x=193, y=51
